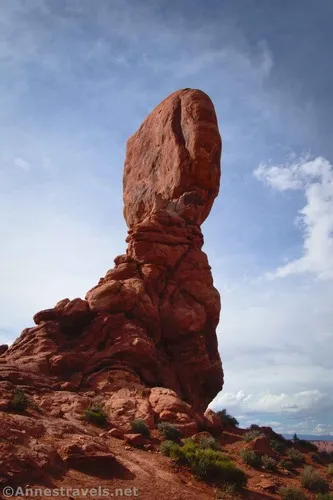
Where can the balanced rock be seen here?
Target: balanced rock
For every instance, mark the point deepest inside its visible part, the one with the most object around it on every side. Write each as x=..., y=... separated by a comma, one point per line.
x=143, y=341
x=173, y=160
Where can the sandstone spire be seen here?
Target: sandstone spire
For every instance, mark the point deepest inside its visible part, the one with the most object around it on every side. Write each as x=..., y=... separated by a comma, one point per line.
x=144, y=339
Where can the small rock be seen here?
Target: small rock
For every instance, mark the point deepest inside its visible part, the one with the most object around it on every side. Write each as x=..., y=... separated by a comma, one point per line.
x=136, y=439
x=3, y=348
x=116, y=433
x=267, y=485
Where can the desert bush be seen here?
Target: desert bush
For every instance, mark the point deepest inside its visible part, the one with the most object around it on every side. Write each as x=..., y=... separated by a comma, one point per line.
x=292, y=493
x=286, y=464
x=95, y=414
x=249, y=436
x=190, y=449
x=330, y=469
x=169, y=431
x=139, y=426
x=226, y=492
x=324, y=496
x=168, y=448
x=295, y=456
x=19, y=401
x=208, y=442
x=207, y=464
x=226, y=418
x=312, y=480
x=207, y=468
x=317, y=458
x=268, y=462
x=249, y=457
x=277, y=445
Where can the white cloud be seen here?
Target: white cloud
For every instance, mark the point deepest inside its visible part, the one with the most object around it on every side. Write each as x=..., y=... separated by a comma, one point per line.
x=277, y=177
x=22, y=163
x=275, y=340
x=323, y=429
x=315, y=178
x=270, y=402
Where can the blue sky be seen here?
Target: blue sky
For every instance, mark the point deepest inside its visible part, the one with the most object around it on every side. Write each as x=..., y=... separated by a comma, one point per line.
x=77, y=78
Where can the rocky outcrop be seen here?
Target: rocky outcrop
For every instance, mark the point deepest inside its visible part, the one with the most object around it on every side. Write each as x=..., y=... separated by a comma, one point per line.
x=143, y=340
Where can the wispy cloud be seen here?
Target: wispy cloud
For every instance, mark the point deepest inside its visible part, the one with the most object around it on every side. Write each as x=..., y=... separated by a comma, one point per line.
x=291, y=412
x=22, y=163
x=315, y=178
x=275, y=403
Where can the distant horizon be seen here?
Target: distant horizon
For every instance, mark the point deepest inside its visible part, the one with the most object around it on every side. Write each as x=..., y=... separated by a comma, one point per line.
x=309, y=437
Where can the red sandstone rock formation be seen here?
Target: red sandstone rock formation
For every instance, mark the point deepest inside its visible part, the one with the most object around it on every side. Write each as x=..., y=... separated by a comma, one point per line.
x=173, y=160
x=144, y=339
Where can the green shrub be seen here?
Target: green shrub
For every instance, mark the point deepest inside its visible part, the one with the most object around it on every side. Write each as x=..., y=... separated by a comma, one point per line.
x=330, y=469
x=277, y=445
x=208, y=442
x=286, y=464
x=312, y=480
x=209, y=469
x=207, y=464
x=324, y=496
x=292, y=493
x=254, y=427
x=251, y=435
x=140, y=427
x=268, y=462
x=168, y=448
x=295, y=456
x=226, y=492
x=19, y=401
x=316, y=458
x=95, y=414
x=169, y=431
x=227, y=419
x=249, y=457
x=189, y=448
